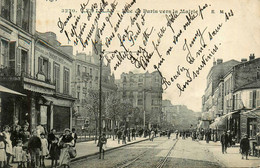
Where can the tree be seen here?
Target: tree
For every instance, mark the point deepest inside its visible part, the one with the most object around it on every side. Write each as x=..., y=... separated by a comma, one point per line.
x=113, y=109
x=91, y=105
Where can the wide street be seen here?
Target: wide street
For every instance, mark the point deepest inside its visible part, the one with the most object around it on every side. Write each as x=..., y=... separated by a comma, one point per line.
x=162, y=152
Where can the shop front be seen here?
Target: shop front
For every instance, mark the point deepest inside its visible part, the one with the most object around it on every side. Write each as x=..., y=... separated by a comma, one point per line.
x=250, y=125
x=59, y=112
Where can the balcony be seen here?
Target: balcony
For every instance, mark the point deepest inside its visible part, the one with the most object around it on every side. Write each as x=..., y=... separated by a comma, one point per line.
x=24, y=80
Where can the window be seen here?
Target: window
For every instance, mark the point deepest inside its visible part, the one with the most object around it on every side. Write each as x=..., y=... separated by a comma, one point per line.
x=44, y=67
x=84, y=69
x=6, y=9
x=140, y=79
x=258, y=75
x=78, y=70
x=140, y=102
x=78, y=95
x=66, y=81
x=78, y=109
x=4, y=54
x=90, y=71
x=23, y=14
x=252, y=99
x=24, y=61
x=56, y=76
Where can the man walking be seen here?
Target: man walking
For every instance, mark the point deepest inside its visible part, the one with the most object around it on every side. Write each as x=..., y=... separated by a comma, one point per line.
x=244, y=146
x=224, y=142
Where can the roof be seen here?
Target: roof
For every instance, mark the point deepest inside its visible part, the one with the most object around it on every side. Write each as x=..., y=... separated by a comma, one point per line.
x=251, y=85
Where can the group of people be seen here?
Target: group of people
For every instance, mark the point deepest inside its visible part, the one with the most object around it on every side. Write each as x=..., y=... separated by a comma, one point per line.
x=226, y=142
x=18, y=145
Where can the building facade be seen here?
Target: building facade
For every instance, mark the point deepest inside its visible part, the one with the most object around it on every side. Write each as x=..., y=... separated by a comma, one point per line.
x=17, y=30
x=144, y=91
x=236, y=94
x=54, y=64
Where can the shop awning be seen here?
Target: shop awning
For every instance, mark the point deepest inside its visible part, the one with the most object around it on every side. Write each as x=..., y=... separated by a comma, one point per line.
x=59, y=102
x=254, y=112
x=6, y=90
x=220, y=122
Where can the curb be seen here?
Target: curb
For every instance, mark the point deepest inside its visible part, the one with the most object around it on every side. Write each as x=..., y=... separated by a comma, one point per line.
x=96, y=153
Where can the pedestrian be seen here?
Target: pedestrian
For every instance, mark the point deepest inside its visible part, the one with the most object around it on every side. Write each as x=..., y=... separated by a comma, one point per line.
x=66, y=141
x=152, y=135
x=51, y=137
x=169, y=134
x=8, y=144
x=18, y=154
x=244, y=146
x=34, y=147
x=44, y=149
x=102, y=142
x=177, y=134
x=2, y=151
x=224, y=142
x=124, y=137
x=74, y=135
x=119, y=135
x=54, y=152
x=229, y=138
x=207, y=134
x=133, y=134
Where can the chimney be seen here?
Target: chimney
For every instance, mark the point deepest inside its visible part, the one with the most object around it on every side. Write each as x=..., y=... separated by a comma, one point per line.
x=243, y=60
x=214, y=63
x=251, y=57
x=219, y=61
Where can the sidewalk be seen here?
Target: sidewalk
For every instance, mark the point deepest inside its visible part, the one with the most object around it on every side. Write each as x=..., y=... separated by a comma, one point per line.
x=86, y=149
x=233, y=158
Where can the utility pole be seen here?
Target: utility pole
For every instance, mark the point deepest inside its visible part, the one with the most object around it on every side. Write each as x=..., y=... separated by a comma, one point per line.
x=100, y=98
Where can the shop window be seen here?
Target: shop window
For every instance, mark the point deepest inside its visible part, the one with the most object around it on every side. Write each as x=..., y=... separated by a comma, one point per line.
x=251, y=127
x=56, y=76
x=66, y=81
x=23, y=14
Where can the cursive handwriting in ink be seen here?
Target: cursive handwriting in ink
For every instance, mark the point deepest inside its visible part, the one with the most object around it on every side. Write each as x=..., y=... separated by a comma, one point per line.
x=146, y=36
x=61, y=24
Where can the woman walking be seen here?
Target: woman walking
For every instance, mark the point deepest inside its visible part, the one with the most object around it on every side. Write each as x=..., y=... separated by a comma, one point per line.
x=65, y=143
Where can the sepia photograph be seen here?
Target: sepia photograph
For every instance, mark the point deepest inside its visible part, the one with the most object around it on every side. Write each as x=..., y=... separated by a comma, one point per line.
x=129, y=83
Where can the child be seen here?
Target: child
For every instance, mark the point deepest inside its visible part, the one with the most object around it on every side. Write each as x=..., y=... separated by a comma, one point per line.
x=44, y=149
x=2, y=151
x=18, y=153
x=54, y=152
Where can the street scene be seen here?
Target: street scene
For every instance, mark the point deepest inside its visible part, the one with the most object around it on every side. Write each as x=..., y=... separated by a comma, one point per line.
x=129, y=84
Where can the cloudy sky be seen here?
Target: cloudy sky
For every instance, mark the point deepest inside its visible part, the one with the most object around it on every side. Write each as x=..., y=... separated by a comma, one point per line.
x=236, y=35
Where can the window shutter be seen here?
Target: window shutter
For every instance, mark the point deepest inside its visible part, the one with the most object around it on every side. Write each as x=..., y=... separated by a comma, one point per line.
x=19, y=12
x=40, y=62
x=18, y=62
x=12, y=57
x=49, y=71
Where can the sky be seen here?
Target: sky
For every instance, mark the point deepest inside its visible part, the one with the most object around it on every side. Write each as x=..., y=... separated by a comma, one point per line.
x=235, y=33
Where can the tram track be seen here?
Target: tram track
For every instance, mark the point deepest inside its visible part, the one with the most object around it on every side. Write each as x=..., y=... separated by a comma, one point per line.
x=160, y=163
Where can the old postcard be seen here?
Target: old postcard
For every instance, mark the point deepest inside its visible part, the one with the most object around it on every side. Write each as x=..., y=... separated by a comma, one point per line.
x=129, y=83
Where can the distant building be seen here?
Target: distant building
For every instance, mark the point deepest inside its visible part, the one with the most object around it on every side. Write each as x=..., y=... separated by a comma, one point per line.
x=86, y=76
x=143, y=90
